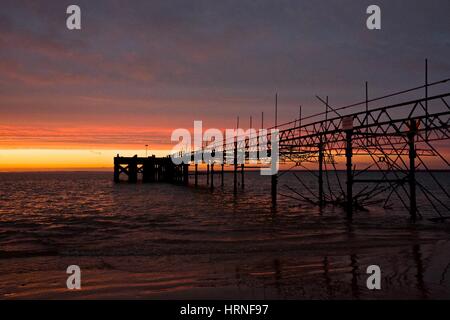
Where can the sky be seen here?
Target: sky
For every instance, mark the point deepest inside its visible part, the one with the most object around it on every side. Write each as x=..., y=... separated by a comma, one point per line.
x=139, y=69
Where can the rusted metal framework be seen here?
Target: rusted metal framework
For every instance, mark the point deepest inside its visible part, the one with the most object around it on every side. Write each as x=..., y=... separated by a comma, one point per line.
x=395, y=139
x=359, y=157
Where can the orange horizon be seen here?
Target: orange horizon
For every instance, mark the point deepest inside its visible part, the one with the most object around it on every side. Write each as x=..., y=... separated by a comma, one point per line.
x=66, y=159
x=50, y=148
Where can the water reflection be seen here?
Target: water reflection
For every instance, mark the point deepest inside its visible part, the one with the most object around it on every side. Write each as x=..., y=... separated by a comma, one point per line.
x=326, y=274
x=336, y=277
x=292, y=252
x=417, y=255
x=354, y=273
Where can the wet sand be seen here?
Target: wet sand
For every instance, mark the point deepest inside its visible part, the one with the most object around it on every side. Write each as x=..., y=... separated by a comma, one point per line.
x=420, y=271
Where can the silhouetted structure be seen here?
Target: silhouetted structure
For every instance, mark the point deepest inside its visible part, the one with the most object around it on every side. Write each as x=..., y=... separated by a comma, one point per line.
x=151, y=169
x=395, y=138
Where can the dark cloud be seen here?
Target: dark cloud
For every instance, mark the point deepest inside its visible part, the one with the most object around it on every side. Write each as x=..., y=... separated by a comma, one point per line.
x=212, y=58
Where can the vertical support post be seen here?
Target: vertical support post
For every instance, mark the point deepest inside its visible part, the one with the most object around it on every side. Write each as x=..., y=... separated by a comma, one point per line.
x=132, y=170
x=157, y=171
x=321, y=196
x=153, y=169
x=196, y=175
x=257, y=136
x=257, y=147
x=168, y=173
x=235, y=168
x=235, y=160
x=224, y=157
x=117, y=169
x=300, y=121
x=212, y=175
x=274, y=181
x=349, y=155
x=367, y=114
x=185, y=174
x=367, y=102
x=412, y=170
x=242, y=175
x=207, y=174
x=145, y=170
x=426, y=99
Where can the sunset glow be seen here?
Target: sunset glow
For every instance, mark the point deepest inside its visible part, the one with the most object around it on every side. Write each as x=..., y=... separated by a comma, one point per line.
x=43, y=159
x=72, y=99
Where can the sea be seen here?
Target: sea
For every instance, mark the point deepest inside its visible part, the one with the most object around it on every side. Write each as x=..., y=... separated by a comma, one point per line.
x=166, y=241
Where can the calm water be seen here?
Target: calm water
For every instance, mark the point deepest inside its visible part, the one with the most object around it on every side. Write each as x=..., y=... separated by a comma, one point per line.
x=166, y=241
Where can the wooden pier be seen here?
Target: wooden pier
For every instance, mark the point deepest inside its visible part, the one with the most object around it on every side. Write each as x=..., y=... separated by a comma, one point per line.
x=150, y=169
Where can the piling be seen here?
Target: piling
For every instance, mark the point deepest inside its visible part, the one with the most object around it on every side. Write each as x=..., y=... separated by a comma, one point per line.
x=321, y=196
x=196, y=175
x=212, y=176
x=132, y=170
x=235, y=168
x=116, y=169
x=349, y=165
x=412, y=170
x=186, y=174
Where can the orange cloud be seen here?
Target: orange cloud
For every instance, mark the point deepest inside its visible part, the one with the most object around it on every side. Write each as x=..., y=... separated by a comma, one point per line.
x=83, y=137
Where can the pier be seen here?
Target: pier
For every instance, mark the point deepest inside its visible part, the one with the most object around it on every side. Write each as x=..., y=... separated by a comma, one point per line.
x=394, y=139
x=151, y=169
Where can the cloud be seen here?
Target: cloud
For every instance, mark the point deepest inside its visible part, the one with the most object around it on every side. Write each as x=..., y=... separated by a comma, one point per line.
x=167, y=63
x=17, y=137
